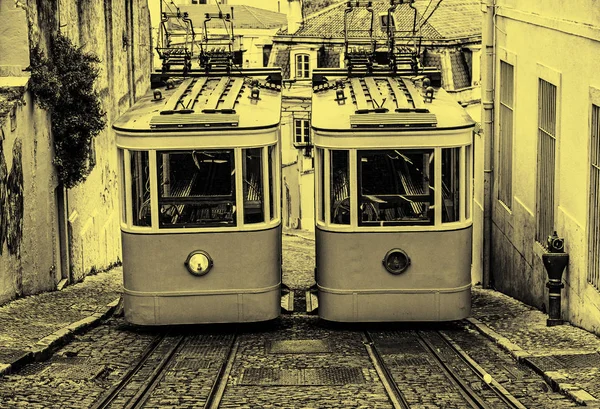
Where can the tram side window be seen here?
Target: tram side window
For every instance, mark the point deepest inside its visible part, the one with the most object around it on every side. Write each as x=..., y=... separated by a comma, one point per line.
x=272, y=164
x=196, y=188
x=340, y=187
x=253, y=189
x=468, y=171
x=450, y=185
x=396, y=187
x=122, y=189
x=140, y=188
x=321, y=184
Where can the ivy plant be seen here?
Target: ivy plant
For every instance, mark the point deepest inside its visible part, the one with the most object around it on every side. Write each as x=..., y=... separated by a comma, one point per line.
x=63, y=84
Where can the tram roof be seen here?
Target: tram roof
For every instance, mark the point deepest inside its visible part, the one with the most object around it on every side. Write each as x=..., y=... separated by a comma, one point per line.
x=382, y=101
x=205, y=102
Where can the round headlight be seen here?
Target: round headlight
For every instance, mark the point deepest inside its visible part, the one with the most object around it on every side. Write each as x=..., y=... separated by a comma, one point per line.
x=396, y=261
x=199, y=263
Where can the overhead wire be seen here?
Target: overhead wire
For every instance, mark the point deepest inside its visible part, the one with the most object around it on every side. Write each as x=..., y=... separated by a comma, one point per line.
x=431, y=14
x=425, y=12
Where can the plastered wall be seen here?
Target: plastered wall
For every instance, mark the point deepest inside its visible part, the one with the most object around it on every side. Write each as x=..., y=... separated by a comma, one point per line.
x=33, y=259
x=563, y=47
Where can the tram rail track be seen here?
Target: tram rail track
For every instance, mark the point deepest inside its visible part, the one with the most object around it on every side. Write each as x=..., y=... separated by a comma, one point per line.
x=394, y=393
x=472, y=397
x=138, y=383
x=172, y=345
x=218, y=388
x=475, y=399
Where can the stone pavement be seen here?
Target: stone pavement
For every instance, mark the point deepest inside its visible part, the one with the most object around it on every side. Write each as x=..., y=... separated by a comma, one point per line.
x=566, y=356
x=32, y=327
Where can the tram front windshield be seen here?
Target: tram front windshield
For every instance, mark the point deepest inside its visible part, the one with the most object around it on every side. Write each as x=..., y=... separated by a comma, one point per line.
x=197, y=188
x=396, y=186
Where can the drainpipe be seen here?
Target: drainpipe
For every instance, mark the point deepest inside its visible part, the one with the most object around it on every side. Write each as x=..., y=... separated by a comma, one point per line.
x=488, y=130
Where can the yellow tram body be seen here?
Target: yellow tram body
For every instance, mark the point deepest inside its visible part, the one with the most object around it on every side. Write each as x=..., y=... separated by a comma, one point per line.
x=200, y=183
x=393, y=192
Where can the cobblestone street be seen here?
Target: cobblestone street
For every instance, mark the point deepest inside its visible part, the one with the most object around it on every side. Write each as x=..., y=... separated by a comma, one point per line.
x=296, y=361
x=299, y=204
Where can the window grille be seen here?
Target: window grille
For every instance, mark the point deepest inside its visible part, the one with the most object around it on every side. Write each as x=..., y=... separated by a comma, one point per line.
x=546, y=160
x=506, y=133
x=302, y=66
x=301, y=132
x=594, y=223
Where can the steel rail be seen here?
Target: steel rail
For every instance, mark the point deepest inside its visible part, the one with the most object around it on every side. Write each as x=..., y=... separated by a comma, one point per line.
x=474, y=400
x=106, y=399
x=500, y=391
x=394, y=393
x=154, y=379
x=218, y=389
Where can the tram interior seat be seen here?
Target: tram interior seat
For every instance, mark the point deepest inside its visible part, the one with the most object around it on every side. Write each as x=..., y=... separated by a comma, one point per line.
x=204, y=209
x=253, y=212
x=409, y=200
x=181, y=188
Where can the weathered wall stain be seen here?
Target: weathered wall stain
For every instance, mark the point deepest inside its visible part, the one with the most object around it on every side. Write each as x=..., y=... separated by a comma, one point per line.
x=14, y=188
x=3, y=201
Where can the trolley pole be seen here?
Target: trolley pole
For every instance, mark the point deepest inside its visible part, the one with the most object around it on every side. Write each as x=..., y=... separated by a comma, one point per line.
x=488, y=130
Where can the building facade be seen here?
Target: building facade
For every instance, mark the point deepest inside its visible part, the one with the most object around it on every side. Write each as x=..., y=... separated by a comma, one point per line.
x=51, y=236
x=451, y=41
x=546, y=116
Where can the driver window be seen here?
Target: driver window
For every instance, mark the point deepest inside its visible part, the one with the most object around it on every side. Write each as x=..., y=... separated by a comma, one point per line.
x=340, y=187
x=140, y=188
x=196, y=188
x=253, y=190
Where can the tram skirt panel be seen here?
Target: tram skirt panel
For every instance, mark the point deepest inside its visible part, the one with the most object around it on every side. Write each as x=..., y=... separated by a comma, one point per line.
x=354, y=284
x=243, y=284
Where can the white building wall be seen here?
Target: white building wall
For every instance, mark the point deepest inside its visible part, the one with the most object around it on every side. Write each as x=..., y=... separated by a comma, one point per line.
x=560, y=42
x=297, y=168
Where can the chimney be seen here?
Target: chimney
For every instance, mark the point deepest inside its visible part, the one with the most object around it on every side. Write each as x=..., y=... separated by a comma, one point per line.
x=294, y=15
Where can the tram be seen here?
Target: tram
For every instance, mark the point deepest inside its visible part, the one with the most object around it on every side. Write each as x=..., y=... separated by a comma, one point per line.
x=393, y=174
x=200, y=180
x=393, y=183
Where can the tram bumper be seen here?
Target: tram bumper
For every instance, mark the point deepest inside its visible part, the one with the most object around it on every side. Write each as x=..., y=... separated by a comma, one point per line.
x=252, y=305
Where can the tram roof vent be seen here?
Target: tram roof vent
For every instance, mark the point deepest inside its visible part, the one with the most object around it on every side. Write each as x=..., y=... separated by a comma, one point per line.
x=194, y=121
x=393, y=120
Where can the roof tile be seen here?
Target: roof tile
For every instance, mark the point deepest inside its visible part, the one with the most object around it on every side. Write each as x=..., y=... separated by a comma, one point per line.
x=451, y=19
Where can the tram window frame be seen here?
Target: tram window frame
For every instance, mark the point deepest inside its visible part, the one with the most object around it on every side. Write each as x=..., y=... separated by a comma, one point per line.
x=320, y=167
x=272, y=163
x=136, y=159
x=250, y=186
x=452, y=169
x=122, y=186
x=362, y=199
x=468, y=180
x=340, y=207
x=228, y=217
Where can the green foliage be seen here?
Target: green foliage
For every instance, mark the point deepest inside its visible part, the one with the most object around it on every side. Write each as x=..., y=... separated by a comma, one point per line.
x=63, y=84
x=9, y=97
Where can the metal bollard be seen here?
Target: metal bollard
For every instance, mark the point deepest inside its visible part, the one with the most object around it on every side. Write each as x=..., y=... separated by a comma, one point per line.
x=555, y=262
